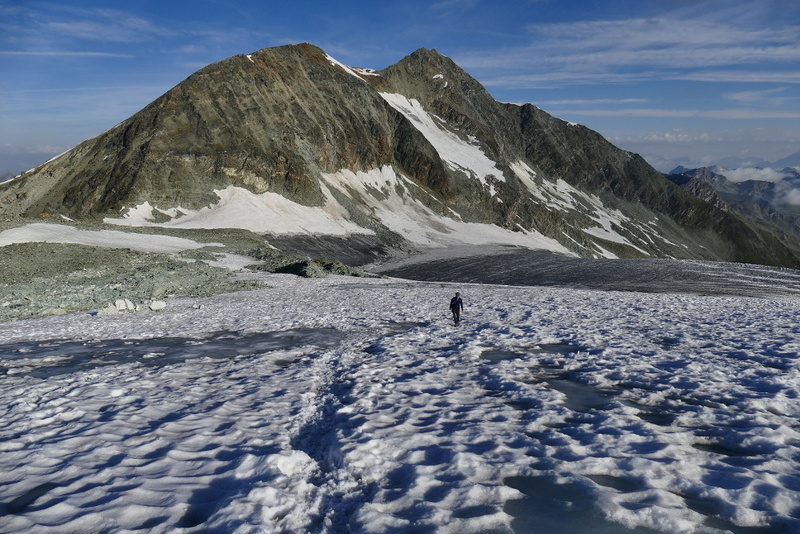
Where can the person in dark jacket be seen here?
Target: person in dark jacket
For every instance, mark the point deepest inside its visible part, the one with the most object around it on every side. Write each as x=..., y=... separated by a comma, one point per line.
x=456, y=306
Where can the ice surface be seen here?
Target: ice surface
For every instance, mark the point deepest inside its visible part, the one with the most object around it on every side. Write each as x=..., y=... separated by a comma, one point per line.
x=355, y=405
x=519, y=266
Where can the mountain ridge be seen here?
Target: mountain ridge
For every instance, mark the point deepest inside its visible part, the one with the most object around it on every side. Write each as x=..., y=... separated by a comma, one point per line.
x=289, y=141
x=764, y=203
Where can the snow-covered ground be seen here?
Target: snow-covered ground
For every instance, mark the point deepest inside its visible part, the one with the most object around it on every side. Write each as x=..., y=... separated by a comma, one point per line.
x=63, y=233
x=355, y=405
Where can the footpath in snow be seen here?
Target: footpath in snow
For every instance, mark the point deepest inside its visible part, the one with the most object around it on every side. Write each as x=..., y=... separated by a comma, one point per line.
x=355, y=405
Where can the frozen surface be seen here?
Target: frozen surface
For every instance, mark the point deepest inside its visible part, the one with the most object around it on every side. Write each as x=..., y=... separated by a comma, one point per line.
x=61, y=233
x=524, y=267
x=354, y=405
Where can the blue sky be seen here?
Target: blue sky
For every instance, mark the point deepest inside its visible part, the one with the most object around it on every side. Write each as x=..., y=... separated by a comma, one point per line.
x=678, y=81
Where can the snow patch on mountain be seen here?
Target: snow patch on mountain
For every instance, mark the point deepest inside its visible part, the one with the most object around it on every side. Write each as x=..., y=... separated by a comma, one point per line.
x=260, y=213
x=387, y=196
x=347, y=69
x=59, y=233
x=560, y=195
x=458, y=154
x=441, y=77
x=391, y=197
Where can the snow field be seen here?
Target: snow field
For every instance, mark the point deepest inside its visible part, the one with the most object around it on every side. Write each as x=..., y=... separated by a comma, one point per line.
x=355, y=405
x=61, y=233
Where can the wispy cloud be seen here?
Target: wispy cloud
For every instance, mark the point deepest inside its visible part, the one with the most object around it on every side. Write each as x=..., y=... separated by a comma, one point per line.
x=16, y=150
x=556, y=78
x=682, y=44
x=676, y=136
x=58, y=53
x=686, y=113
x=792, y=197
x=453, y=5
x=708, y=144
x=768, y=97
x=761, y=174
x=593, y=101
x=65, y=30
x=754, y=76
x=107, y=25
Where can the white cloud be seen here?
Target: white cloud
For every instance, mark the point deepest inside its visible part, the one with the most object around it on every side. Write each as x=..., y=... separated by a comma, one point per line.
x=108, y=25
x=703, y=147
x=546, y=80
x=686, y=113
x=593, y=101
x=745, y=76
x=750, y=173
x=748, y=114
x=665, y=42
x=792, y=197
x=447, y=5
x=634, y=112
x=766, y=97
x=682, y=44
x=32, y=149
x=61, y=53
x=674, y=137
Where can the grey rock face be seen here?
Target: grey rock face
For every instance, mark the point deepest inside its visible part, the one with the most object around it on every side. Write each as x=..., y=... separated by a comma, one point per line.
x=38, y=279
x=279, y=119
x=756, y=202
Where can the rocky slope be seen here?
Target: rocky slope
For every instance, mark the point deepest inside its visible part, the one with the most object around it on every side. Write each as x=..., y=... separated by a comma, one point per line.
x=759, y=202
x=288, y=142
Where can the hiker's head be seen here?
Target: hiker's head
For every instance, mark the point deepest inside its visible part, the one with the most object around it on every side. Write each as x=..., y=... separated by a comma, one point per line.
x=458, y=294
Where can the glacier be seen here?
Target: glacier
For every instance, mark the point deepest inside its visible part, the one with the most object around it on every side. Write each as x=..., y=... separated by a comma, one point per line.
x=355, y=405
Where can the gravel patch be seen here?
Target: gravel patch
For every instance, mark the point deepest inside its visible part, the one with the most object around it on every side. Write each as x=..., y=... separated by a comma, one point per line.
x=39, y=279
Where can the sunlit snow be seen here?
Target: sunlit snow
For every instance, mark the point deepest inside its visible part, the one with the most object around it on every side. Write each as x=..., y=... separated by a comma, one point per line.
x=458, y=154
x=376, y=190
x=61, y=233
x=353, y=405
x=560, y=195
x=386, y=193
x=240, y=208
x=347, y=69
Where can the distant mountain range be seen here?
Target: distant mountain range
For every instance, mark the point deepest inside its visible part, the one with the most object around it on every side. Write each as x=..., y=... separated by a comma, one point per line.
x=728, y=164
x=767, y=197
x=735, y=162
x=289, y=143
x=788, y=161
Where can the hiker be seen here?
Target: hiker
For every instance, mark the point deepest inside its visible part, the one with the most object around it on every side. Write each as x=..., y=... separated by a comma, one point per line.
x=456, y=306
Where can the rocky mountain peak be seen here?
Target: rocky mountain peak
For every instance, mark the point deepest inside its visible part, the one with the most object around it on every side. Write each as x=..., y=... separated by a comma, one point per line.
x=288, y=140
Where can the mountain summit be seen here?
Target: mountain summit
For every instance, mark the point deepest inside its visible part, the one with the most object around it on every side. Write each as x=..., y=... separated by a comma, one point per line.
x=288, y=141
